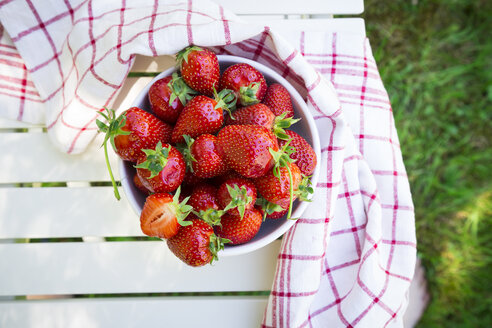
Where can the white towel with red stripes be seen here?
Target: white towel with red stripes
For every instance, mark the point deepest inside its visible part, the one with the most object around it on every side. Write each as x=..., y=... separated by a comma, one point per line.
x=349, y=260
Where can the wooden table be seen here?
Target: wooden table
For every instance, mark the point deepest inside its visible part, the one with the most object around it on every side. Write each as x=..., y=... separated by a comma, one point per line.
x=68, y=256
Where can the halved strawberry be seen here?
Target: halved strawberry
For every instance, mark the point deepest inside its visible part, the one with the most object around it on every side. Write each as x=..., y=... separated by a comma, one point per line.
x=304, y=155
x=162, y=169
x=240, y=230
x=163, y=214
x=246, y=149
x=129, y=133
x=236, y=195
x=247, y=82
x=199, y=68
x=278, y=99
x=168, y=96
x=196, y=244
x=202, y=156
x=202, y=115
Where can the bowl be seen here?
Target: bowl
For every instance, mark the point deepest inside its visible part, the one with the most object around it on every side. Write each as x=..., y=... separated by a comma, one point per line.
x=270, y=229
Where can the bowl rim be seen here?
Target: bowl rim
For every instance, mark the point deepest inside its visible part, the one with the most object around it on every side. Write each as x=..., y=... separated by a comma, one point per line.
x=297, y=99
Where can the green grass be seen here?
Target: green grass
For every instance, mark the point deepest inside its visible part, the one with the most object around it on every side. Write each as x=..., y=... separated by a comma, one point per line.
x=435, y=58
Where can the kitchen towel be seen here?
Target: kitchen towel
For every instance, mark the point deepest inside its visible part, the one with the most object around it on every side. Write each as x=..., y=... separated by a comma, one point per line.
x=349, y=260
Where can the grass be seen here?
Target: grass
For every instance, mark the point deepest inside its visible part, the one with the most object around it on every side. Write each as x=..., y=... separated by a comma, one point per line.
x=435, y=58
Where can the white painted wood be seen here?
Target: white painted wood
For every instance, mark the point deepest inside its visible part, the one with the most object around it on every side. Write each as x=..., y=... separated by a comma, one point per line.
x=31, y=157
x=237, y=312
x=65, y=212
x=12, y=124
x=259, y=7
x=126, y=267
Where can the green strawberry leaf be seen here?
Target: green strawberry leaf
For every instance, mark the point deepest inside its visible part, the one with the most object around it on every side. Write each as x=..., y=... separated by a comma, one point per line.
x=156, y=159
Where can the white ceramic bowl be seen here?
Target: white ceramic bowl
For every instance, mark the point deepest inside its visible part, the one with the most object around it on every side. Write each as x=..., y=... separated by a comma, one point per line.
x=270, y=229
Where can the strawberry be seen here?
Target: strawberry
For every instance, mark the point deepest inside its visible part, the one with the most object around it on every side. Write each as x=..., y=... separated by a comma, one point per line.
x=260, y=114
x=277, y=189
x=205, y=203
x=196, y=244
x=203, y=197
x=129, y=133
x=168, y=96
x=246, y=149
x=163, y=214
x=277, y=98
x=190, y=179
x=199, y=68
x=270, y=210
x=304, y=156
x=247, y=82
x=240, y=230
x=277, y=215
x=162, y=169
x=257, y=114
x=202, y=156
x=202, y=115
x=138, y=183
x=236, y=195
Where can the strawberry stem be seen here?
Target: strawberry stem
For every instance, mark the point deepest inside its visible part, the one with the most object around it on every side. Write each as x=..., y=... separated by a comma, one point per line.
x=281, y=123
x=115, y=187
x=216, y=244
x=291, y=192
x=226, y=100
x=179, y=89
x=183, y=54
x=247, y=95
x=113, y=128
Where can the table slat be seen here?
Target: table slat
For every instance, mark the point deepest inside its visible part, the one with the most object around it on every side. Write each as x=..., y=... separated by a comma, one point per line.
x=126, y=267
x=31, y=157
x=57, y=212
x=237, y=312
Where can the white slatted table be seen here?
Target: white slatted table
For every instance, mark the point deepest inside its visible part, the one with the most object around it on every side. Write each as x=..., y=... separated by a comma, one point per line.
x=65, y=256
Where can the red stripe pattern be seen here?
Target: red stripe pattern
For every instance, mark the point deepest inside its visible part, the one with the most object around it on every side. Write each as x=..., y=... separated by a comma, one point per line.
x=349, y=260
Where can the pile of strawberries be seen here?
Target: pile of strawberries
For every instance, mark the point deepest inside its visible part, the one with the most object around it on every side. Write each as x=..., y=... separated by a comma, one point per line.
x=213, y=155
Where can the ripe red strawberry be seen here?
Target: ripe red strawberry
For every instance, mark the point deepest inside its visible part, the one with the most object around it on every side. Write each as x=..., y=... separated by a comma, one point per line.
x=168, y=96
x=203, y=197
x=191, y=180
x=260, y=114
x=129, y=133
x=196, y=244
x=202, y=156
x=199, y=68
x=202, y=115
x=236, y=195
x=277, y=215
x=246, y=149
x=205, y=203
x=163, y=214
x=246, y=81
x=304, y=155
x=162, y=169
x=238, y=230
x=270, y=210
x=138, y=183
x=278, y=99
x=277, y=189
x=257, y=114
